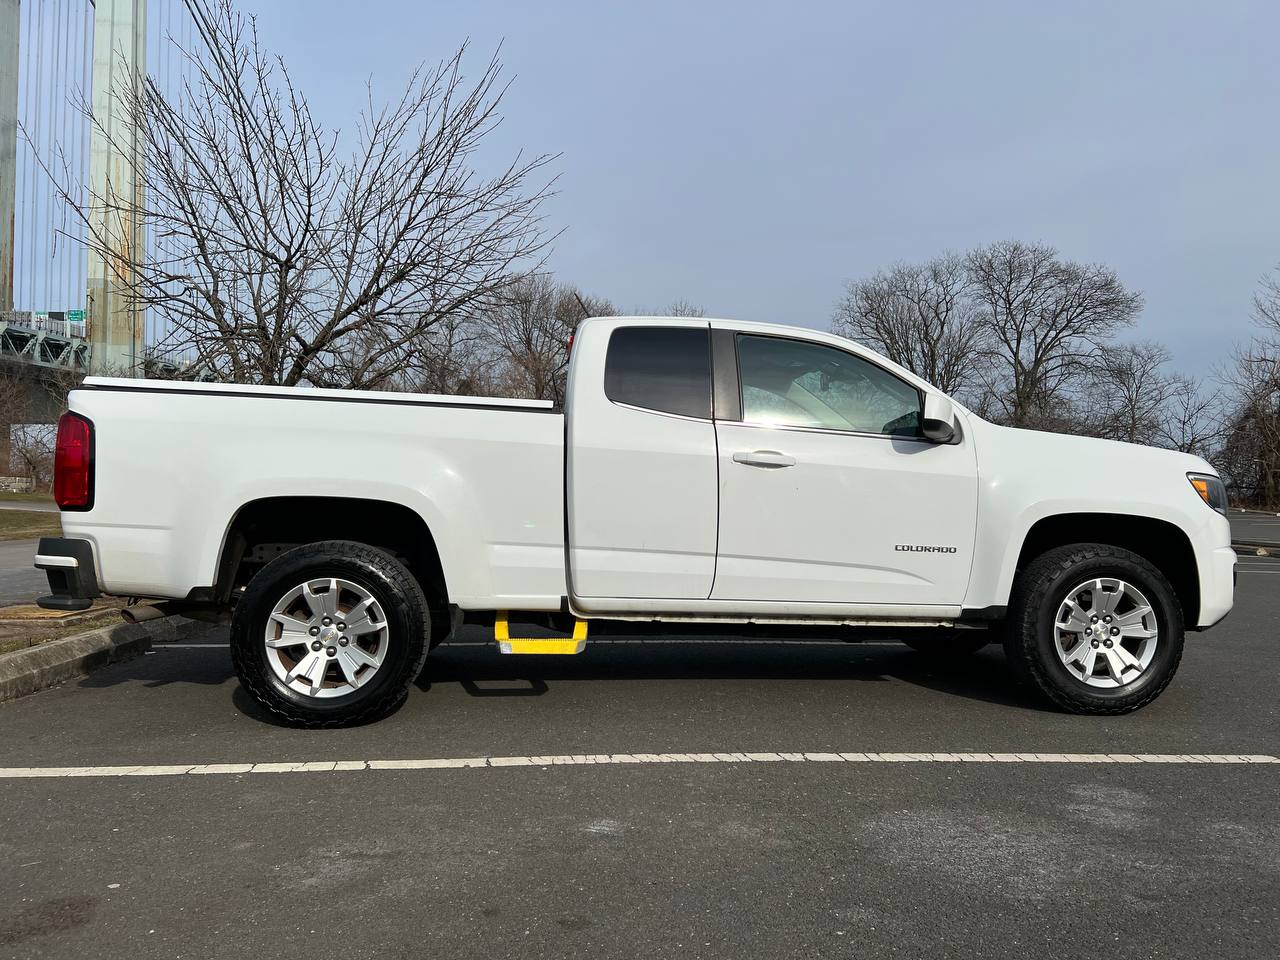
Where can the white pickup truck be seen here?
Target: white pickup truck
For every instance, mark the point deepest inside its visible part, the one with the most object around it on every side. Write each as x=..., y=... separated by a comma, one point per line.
x=701, y=471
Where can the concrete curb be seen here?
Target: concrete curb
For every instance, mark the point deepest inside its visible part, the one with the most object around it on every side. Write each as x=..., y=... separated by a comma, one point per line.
x=35, y=668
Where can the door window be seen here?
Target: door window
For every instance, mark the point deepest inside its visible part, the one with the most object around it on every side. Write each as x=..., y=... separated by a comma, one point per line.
x=797, y=384
x=660, y=368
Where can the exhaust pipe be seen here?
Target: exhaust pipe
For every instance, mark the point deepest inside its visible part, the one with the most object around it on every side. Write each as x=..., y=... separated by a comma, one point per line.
x=204, y=612
x=142, y=612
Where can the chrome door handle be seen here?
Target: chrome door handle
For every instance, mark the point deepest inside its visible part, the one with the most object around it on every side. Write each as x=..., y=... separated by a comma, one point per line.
x=764, y=458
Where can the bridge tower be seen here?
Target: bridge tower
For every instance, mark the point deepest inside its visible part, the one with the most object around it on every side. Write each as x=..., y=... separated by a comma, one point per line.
x=9, y=22
x=116, y=326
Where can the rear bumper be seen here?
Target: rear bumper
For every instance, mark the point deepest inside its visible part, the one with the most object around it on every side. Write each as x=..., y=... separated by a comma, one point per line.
x=69, y=566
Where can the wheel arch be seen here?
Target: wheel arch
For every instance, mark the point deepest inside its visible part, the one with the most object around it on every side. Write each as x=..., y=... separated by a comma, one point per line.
x=264, y=528
x=1163, y=544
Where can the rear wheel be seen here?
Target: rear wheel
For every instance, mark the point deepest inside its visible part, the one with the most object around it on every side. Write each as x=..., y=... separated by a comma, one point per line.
x=1095, y=628
x=330, y=634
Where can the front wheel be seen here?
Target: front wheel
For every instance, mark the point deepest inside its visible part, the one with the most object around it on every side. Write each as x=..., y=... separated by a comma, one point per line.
x=330, y=634
x=1095, y=628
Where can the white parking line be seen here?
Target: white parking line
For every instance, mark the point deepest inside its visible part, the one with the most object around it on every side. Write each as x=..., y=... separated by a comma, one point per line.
x=445, y=763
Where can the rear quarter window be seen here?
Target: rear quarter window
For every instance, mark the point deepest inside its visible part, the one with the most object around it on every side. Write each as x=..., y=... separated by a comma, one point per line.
x=666, y=369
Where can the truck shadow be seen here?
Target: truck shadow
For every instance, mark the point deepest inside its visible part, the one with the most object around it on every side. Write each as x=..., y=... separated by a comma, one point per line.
x=475, y=665
x=164, y=665
x=482, y=672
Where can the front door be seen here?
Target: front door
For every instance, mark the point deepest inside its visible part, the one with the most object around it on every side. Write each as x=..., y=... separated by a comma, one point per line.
x=827, y=492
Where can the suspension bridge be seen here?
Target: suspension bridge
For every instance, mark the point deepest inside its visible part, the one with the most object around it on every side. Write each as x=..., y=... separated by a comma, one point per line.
x=63, y=308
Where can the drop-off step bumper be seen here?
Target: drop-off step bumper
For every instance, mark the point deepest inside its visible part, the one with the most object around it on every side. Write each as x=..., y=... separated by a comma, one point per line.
x=69, y=565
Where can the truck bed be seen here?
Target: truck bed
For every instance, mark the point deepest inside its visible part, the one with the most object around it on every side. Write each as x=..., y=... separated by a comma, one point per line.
x=175, y=462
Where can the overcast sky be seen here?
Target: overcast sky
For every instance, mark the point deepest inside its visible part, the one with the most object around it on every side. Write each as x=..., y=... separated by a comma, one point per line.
x=752, y=157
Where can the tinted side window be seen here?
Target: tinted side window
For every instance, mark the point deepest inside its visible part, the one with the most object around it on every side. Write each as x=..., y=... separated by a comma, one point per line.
x=660, y=368
x=798, y=384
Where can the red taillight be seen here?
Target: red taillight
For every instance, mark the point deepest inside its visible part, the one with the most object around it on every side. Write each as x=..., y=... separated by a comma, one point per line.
x=73, y=463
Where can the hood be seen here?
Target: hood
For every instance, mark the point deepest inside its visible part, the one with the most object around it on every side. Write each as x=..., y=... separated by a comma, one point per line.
x=1071, y=450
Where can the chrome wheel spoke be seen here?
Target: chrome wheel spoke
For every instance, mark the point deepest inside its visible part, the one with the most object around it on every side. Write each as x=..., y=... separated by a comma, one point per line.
x=302, y=644
x=349, y=667
x=1115, y=665
x=1133, y=617
x=361, y=657
x=290, y=623
x=323, y=603
x=1118, y=613
x=315, y=676
x=1104, y=602
x=302, y=668
x=358, y=620
x=1126, y=658
x=1077, y=620
x=289, y=638
x=1076, y=652
x=1137, y=633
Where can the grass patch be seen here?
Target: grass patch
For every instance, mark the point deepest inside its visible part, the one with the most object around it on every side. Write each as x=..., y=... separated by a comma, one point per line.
x=28, y=524
x=18, y=635
x=27, y=497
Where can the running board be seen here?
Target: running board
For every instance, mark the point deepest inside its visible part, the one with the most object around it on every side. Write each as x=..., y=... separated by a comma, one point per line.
x=554, y=645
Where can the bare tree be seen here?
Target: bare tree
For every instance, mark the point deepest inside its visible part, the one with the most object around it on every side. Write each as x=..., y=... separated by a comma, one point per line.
x=13, y=411
x=1127, y=393
x=1266, y=304
x=1194, y=420
x=921, y=317
x=26, y=448
x=1130, y=395
x=1251, y=453
x=530, y=331
x=279, y=261
x=1028, y=339
x=683, y=308
x=458, y=362
x=1047, y=318
x=676, y=308
x=32, y=453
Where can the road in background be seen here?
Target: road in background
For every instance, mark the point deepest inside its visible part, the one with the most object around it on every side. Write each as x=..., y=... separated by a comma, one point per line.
x=691, y=859
x=1255, y=527
x=20, y=582
x=29, y=506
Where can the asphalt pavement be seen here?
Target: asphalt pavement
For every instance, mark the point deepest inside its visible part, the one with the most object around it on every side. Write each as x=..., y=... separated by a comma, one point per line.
x=20, y=582
x=1255, y=527
x=29, y=506
x=619, y=859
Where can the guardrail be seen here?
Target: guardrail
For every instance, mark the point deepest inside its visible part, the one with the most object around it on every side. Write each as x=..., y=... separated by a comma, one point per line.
x=45, y=323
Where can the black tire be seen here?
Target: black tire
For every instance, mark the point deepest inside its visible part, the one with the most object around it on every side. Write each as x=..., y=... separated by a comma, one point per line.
x=948, y=644
x=408, y=624
x=1031, y=635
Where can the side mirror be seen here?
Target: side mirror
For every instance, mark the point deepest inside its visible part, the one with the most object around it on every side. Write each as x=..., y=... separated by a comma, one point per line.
x=939, y=421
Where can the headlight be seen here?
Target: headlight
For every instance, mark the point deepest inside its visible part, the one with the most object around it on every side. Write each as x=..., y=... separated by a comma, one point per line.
x=1211, y=489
